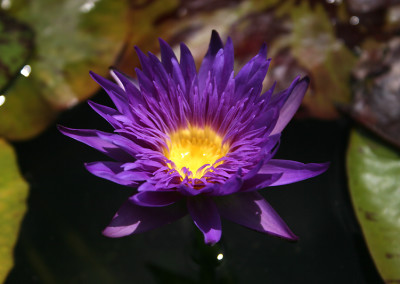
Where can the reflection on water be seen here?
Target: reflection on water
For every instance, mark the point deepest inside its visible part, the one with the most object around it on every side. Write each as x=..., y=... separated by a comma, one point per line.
x=354, y=20
x=2, y=100
x=26, y=70
x=88, y=6
x=5, y=4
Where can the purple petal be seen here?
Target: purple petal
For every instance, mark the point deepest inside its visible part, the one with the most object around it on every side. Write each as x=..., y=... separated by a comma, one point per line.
x=222, y=68
x=232, y=185
x=155, y=198
x=92, y=138
x=146, y=186
x=132, y=219
x=291, y=105
x=190, y=191
x=115, y=172
x=117, y=94
x=260, y=181
x=292, y=171
x=187, y=65
x=229, y=58
x=144, y=62
x=252, y=74
x=252, y=211
x=208, y=61
x=135, y=97
x=167, y=54
x=206, y=217
x=107, y=113
x=266, y=118
x=124, y=143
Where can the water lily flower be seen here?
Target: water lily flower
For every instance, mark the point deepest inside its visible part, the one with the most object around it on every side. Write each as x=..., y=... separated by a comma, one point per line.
x=199, y=143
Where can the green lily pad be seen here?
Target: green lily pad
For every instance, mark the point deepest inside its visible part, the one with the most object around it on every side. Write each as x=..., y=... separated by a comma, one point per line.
x=68, y=35
x=71, y=38
x=13, y=194
x=374, y=174
x=25, y=113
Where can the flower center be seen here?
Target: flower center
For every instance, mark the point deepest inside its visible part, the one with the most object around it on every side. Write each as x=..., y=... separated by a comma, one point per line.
x=196, y=149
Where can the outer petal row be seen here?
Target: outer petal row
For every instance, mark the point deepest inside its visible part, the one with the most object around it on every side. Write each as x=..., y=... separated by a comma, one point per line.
x=292, y=171
x=205, y=215
x=132, y=219
x=96, y=139
x=252, y=211
x=255, y=213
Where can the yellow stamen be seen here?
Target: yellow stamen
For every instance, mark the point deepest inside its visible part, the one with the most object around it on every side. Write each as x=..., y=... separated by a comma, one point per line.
x=195, y=147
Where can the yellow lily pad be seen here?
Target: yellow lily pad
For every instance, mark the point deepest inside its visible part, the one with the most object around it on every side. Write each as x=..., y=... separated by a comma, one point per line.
x=13, y=194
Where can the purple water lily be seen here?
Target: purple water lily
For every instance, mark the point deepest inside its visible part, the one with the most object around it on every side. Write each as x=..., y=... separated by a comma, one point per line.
x=196, y=142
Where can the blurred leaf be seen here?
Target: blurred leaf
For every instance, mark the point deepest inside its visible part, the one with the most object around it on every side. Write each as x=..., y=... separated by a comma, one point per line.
x=326, y=58
x=25, y=113
x=148, y=19
x=376, y=103
x=13, y=194
x=16, y=42
x=374, y=172
x=361, y=6
x=71, y=38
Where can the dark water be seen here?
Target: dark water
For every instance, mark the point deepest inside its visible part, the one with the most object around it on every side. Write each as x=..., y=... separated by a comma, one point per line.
x=60, y=240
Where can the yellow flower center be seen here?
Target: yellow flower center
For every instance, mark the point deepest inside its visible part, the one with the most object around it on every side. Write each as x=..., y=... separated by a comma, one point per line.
x=195, y=147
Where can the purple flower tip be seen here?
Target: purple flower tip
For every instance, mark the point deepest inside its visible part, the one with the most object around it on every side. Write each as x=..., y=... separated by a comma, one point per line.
x=207, y=137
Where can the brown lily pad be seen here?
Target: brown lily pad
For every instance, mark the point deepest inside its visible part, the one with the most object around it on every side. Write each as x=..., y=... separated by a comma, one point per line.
x=376, y=102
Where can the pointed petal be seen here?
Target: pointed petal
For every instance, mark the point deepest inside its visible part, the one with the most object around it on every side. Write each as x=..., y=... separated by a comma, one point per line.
x=107, y=113
x=124, y=144
x=155, y=198
x=292, y=171
x=229, y=58
x=206, y=217
x=252, y=211
x=107, y=85
x=252, y=74
x=167, y=55
x=291, y=105
x=132, y=219
x=92, y=138
x=208, y=61
x=144, y=62
x=134, y=96
x=187, y=65
x=117, y=94
x=115, y=172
